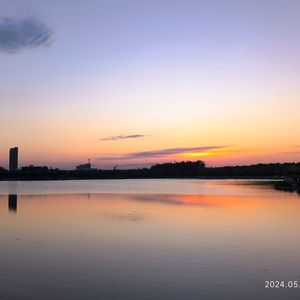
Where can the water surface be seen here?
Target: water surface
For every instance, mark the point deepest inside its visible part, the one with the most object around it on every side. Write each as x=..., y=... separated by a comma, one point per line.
x=147, y=239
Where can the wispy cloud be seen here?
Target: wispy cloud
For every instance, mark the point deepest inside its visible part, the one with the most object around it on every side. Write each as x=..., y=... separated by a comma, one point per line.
x=123, y=137
x=160, y=153
x=20, y=33
x=171, y=151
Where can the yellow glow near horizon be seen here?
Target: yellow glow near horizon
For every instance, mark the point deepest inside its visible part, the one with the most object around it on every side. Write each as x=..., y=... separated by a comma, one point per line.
x=208, y=153
x=197, y=154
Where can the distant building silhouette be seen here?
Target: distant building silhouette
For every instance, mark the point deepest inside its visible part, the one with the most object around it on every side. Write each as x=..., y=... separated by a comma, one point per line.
x=32, y=168
x=13, y=159
x=85, y=167
x=12, y=203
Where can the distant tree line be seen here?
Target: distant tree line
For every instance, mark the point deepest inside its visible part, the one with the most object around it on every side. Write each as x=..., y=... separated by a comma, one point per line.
x=256, y=170
x=184, y=169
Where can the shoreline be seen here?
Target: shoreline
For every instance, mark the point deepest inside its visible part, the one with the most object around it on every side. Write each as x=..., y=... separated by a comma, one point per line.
x=260, y=178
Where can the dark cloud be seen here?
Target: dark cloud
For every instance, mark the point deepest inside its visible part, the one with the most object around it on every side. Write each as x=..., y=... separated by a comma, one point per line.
x=161, y=152
x=19, y=33
x=123, y=137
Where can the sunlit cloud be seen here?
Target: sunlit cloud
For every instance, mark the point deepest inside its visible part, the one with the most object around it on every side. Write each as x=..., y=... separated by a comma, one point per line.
x=20, y=33
x=123, y=137
x=162, y=153
x=171, y=151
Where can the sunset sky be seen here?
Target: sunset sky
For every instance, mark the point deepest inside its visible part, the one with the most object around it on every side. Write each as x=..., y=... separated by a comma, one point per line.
x=135, y=82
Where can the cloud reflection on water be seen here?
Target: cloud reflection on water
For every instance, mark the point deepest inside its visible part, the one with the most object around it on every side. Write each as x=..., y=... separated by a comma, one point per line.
x=197, y=200
x=132, y=216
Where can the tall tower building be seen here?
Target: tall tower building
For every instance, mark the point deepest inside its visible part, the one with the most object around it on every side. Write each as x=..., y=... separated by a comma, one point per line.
x=13, y=159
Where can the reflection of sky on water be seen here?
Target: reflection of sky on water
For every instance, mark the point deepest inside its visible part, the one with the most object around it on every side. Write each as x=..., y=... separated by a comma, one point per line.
x=175, y=199
x=131, y=186
x=132, y=216
x=130, y=246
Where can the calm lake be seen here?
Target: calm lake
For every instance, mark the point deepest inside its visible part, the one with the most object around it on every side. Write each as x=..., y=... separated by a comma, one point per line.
x=147, y=239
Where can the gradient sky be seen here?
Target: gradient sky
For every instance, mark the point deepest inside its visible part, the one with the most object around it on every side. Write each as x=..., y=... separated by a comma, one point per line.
x=137, y=82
